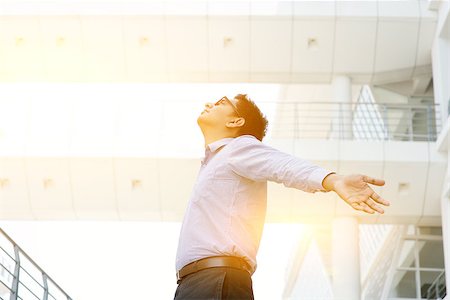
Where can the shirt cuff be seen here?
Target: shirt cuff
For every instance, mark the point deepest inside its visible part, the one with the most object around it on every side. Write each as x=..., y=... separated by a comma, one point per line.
x=316, y=178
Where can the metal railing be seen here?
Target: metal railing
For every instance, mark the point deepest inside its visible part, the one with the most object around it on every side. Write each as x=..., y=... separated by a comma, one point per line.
x=356, y=121
x=437, y=290
x=21, y=278
x=371, y=239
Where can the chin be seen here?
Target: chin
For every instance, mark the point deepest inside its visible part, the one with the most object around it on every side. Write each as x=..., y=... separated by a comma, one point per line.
x=204, y=121
x=200, y=120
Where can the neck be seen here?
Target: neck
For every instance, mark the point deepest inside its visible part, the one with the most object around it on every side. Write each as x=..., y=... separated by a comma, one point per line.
x=211, y=137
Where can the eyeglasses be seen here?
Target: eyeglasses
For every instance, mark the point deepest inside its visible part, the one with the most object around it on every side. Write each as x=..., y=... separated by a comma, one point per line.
x=225, y=99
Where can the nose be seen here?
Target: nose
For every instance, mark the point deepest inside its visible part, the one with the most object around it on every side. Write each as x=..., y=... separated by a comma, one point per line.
x=208, y=105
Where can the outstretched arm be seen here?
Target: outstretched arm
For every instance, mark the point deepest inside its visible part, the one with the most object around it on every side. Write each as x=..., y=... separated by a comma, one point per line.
x=354, y=190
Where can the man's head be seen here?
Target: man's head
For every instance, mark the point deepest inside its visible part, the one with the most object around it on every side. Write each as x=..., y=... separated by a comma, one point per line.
x=232, y=118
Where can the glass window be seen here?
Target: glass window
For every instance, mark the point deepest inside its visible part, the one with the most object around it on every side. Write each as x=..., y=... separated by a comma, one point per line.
x=431, y=255
x=427, y=278
x=431, y=230
x=407, y=258
x=404, y=285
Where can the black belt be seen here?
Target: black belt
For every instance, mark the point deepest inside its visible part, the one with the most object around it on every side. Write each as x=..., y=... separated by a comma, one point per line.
x=213, y=262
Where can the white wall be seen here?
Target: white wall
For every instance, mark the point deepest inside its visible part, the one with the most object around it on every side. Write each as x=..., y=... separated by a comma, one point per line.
x=385, y=96
x=441, y=77
x=313, y=92
x=441, y=60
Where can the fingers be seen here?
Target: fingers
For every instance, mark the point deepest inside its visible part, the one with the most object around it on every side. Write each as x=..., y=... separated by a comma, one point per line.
x=375, y=196
x=369, y=201
x=367, y=208
x=356, y=206
x=378, y=199
x=373, y=181
x=374, y=206
x=362, y=207
x=367, y=205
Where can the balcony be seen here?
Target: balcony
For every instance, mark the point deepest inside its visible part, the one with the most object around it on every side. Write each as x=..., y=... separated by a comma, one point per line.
x=115, y=152
x=21, y=278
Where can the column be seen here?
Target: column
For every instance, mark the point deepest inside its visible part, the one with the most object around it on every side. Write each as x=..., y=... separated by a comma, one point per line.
x=342, y=111
x=441, y=75
x=345, y=259
x=445, y=215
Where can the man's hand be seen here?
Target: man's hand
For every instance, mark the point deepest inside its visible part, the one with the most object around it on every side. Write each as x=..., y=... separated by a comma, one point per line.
x=354, y=190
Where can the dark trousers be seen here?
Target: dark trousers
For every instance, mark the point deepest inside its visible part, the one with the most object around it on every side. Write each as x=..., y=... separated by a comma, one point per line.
x=216, y=284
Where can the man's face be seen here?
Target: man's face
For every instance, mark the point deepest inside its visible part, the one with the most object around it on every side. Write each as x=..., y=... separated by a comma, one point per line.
x=219, y=113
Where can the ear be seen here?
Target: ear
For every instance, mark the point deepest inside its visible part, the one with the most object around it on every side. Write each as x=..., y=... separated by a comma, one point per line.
x=238, y=122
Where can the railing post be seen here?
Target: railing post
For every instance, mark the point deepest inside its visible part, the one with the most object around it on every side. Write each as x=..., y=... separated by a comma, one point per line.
x=436, y=286
x=15, y=283
x=429, y=118
x=44, y=280
x=385, y=121
x=410, y=125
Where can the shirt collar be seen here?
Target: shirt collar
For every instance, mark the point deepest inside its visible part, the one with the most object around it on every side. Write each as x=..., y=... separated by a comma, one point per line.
x=214, y=146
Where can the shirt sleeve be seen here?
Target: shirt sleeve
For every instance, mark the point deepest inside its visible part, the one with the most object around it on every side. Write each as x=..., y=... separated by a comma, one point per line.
x=256, y=161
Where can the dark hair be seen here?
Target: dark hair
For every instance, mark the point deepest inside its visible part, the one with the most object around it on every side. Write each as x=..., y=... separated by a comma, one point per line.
x=255, y=121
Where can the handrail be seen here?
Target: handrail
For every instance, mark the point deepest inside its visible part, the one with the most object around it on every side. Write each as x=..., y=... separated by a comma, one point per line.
x=14, y=289
x=356, y=121
x=437, y=289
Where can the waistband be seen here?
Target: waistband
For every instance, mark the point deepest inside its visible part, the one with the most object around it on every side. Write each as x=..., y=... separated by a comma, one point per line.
x=213, y=262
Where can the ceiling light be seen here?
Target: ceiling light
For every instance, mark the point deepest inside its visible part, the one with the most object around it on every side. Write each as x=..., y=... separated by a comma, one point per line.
x=313, y=44
x=47, y=183
x=136, y=183
x=4, y=182
x=227, y=41
x=403, y=188
x=20, y=41
x=143, y=41
x=60, y=41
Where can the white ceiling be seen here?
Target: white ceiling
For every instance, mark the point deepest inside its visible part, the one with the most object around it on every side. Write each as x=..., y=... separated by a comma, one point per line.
x=121, y=188
x=215, y=41
x=220, y=41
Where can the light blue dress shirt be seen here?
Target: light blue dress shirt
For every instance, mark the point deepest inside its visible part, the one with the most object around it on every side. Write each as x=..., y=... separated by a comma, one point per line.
x=225, y=214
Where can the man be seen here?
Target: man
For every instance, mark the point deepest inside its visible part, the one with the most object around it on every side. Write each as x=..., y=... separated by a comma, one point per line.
x=224, y=218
